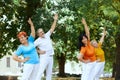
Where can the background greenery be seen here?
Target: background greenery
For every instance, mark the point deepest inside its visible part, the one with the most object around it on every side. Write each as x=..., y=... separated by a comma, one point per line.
x=98, y=14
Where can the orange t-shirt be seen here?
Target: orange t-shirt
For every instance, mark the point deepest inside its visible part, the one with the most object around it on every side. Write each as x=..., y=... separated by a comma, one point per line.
x=88, y=52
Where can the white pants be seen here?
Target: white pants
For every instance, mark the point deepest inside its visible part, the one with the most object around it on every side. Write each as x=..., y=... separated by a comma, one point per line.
x=88, y=71
x=46, y=63
x=30, y=71
x=99, y=69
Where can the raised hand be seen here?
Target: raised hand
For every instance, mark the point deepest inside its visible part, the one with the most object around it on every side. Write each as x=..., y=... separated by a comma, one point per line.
x=104, y=32
x=55, y=17
x=83, y=21
x=32, y=27
x=86, y=28
x=30, y=21
x=54, y=23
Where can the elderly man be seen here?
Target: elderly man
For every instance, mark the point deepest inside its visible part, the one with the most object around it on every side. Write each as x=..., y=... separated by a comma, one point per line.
x=44, y=44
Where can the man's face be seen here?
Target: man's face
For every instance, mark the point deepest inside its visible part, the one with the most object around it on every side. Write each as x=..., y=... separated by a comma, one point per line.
x=40, y=33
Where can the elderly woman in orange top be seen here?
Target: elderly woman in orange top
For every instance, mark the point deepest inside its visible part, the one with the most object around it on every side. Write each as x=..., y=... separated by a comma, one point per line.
x=87, y=54
x=99, y=55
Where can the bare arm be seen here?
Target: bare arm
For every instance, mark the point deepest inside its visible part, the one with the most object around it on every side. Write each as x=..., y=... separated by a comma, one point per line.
x=86, y=28
x=80, y=57
x=16, y=58
x=54, y=23
x=103, y=36
x=32, y=27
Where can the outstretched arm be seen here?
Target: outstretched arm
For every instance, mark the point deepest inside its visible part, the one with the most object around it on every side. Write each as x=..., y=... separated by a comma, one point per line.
x=86, y=28
x=54, y=23
x=16, y=58
x=80, y=58
x=103, y=36
x=32, y=27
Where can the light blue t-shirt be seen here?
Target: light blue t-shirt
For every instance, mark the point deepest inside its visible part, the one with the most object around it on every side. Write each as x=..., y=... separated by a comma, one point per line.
x=28, y=51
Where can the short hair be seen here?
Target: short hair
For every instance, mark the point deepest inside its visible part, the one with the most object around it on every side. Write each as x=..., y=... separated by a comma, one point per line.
x=21, y=33
x=39, y=29
x=93, y=41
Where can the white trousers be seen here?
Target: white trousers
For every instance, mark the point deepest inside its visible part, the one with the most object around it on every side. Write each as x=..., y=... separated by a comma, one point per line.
x=99, y=69
x=30, y=71
x=46, y=63
x=88, y=71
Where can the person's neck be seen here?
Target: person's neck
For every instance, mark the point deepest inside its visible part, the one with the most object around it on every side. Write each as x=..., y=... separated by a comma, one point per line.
x=85, y=44
x=25, y=44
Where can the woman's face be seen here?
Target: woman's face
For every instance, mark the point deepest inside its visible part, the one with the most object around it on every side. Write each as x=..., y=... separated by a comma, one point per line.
x=22, y=39
x=84, y=40
x=94, y=44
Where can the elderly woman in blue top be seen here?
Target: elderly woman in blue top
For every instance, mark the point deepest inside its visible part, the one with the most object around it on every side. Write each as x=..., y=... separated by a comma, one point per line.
x=28, y=51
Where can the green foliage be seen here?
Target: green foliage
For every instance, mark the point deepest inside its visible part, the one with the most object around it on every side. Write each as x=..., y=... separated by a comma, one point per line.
x=13, y=18
x=99, y=14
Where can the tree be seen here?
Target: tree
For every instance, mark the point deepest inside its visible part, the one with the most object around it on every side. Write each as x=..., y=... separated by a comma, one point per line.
x=98, y=14
x=116, y=6
x=69, y=26
x=63, y=49
x=14, y=15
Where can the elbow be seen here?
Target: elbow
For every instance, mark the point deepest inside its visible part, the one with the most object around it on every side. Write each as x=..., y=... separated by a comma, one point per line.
x=51, y=30
x=80, y=59
x=14, y=57
x=33, y=35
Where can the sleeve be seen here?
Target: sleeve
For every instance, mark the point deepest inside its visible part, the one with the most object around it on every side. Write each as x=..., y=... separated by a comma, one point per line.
x=48, y=34
x=82, y=51
x=31, y=39
x=99, y=44
x=36, y=43
x=18, y=52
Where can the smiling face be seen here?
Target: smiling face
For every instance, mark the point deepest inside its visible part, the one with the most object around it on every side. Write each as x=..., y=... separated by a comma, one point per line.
x=22, y=36
x=22, y=39
x=40, y=33
x=94, y=43
x=84, y=40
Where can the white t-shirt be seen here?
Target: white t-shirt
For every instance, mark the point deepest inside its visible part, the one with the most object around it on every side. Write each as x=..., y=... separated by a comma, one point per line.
x=45, y=44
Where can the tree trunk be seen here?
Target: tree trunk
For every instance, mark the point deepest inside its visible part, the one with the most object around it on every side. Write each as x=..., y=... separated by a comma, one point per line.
x=113, y=72
x=117, y=62
x=32, y=6
x=61, y=61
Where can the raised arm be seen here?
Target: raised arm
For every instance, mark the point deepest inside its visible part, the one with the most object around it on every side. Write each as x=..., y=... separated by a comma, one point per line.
x=86, y=28
x=103, y=36
x=32, y=27
x=54, y=23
